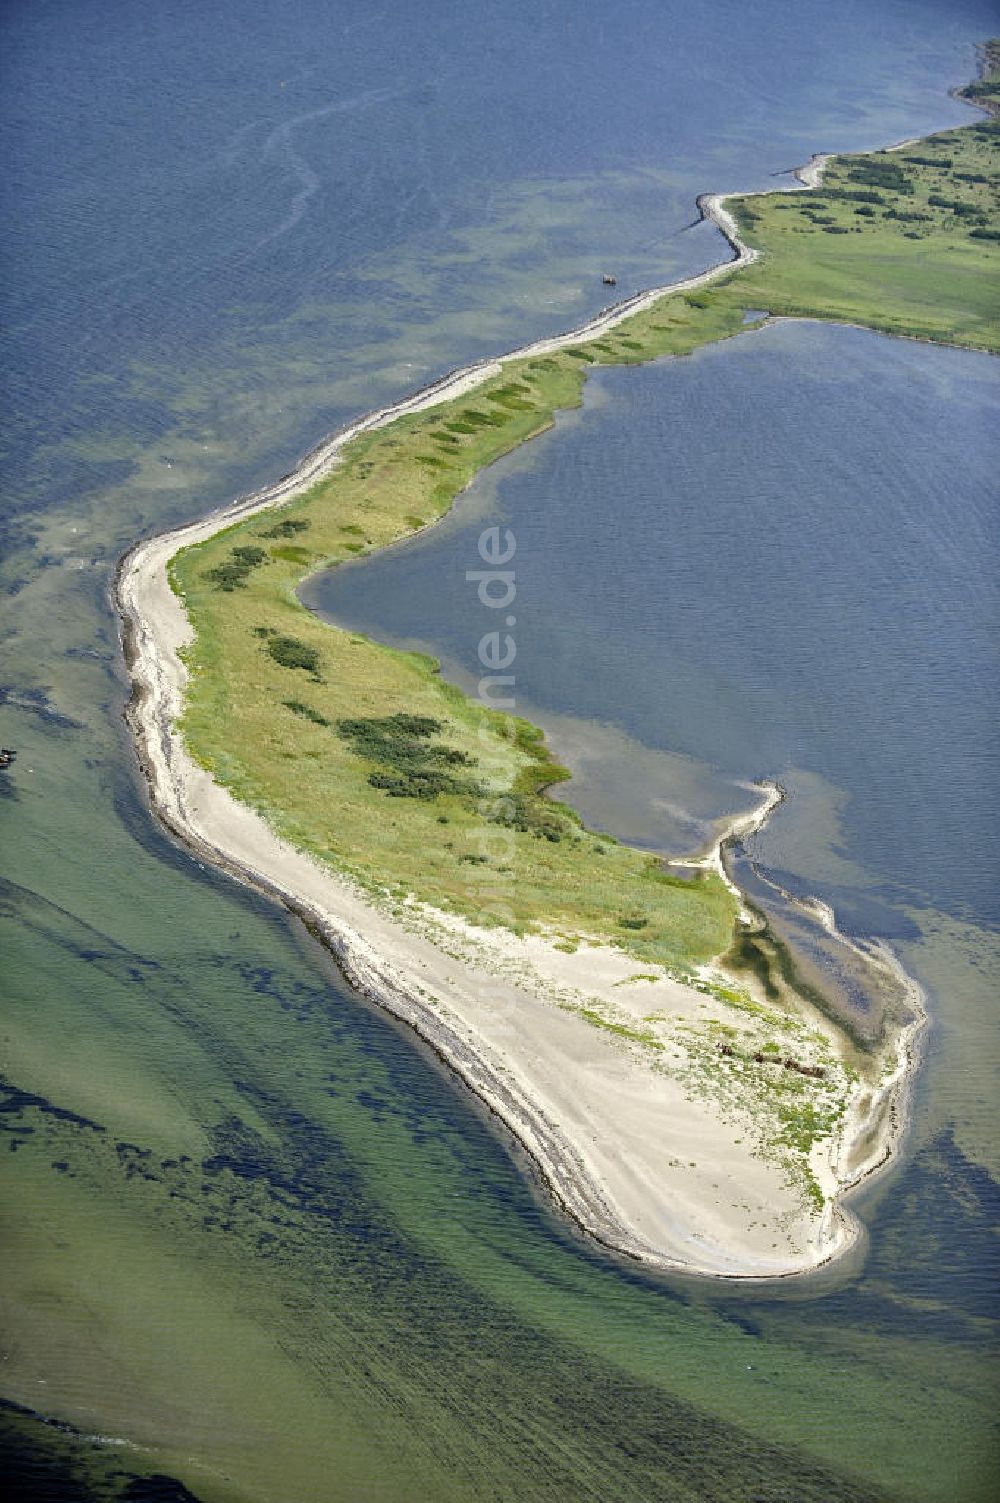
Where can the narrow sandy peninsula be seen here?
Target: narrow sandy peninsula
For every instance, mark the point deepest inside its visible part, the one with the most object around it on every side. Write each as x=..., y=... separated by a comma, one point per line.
x=684, y=1109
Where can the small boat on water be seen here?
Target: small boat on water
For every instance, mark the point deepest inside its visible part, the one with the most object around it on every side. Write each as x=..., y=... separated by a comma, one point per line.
x=609, y=280
x=6, y=757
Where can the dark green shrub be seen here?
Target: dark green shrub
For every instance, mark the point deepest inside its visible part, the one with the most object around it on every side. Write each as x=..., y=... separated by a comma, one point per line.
x=228, y=577
x=859, y=195
x=481, y=419
x=416, y=765
x=286, y=528
x=881, y=174
x=529, y=814
x=289, y=652
x=306, y=711
x=956, y=205
x=232, y=574
x=420, y=783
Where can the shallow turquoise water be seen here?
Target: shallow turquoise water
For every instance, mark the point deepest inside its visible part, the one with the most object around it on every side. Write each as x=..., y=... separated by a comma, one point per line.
x=253, y=1229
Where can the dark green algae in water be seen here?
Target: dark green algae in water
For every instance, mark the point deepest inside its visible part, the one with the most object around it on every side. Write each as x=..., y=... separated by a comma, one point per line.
x=260, y=1235
x=353, y=1237
x=42, y=1461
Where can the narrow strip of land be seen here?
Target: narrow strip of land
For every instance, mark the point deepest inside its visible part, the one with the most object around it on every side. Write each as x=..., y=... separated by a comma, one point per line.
x=682, y=1110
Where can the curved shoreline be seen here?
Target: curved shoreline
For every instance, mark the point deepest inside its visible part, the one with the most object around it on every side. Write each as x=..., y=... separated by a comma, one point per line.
x=564, y=1172
x=186, y=800
x=891, y=1097
x=318, y=461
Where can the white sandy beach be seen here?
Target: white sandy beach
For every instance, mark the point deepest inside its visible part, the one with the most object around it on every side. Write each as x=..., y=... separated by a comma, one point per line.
x=652, y=1167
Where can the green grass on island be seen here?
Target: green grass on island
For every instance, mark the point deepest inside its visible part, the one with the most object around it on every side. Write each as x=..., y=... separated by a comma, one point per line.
x=363, y=755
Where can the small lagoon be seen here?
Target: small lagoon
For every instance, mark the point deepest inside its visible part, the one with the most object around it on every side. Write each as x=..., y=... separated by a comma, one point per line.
x=772, y=558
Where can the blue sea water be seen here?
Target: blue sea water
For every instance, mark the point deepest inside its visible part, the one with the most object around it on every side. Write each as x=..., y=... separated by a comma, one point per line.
x=225, y=229
x=208, y=208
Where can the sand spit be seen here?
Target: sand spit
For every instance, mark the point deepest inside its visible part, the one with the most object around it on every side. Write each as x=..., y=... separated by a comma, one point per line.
x=736, y=828
x=641, y=1130
x=877, y=1114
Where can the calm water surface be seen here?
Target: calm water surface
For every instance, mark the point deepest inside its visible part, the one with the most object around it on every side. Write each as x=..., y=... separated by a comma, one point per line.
x=744, y=558
x=255, y=1237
